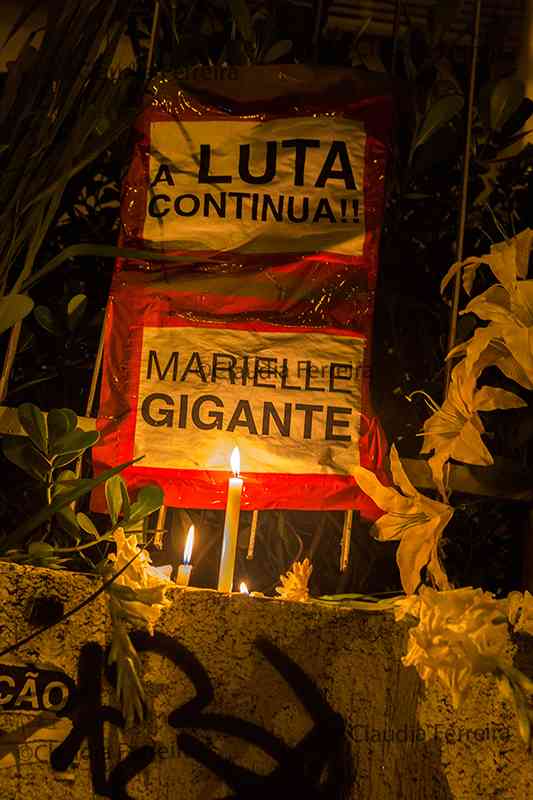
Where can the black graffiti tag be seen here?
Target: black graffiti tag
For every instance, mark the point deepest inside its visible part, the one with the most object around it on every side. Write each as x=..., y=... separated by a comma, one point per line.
x=320, y=762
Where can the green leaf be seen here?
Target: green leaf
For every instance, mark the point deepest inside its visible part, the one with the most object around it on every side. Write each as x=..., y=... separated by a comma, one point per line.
x=125, y=500
x=367, y=598
x=277, y=51
x=64, y=482
x=13, y=309
x=76, y=310
x=113, y=496
x=505, y=98
x=26, y=341
x=68, y=458
x=60, y=421
x=75, y=441
x=241, y=14
x=66, y=519
x=22, y=453
x=440, y=113
x=83, y=486
x=33, y=421
x=46, y=320
x=86, y=524
x=149, y=499
x=40, y=550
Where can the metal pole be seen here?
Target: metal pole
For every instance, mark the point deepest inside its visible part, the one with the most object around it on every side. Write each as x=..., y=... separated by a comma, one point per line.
x=316, y=32
x=153, y=37
x=159, y=525
x=464, y=192
x=96, y=372
x=346, y=540
x=253, y=532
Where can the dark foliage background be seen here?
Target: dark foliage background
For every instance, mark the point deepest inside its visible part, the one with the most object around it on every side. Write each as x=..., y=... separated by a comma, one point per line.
x=54, y=363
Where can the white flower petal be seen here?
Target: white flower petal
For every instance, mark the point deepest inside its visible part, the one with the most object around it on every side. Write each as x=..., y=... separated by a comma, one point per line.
x=469, y=447
x=399, y=475
x=522, y=302
x=524, y=243
x=502, y=261
x=492, y=305
x=489, y=398
x=384, y=497
x=413, y=555
x=519, y=341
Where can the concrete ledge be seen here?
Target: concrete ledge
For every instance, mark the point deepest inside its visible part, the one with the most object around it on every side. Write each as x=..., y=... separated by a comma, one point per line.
x=247, y=698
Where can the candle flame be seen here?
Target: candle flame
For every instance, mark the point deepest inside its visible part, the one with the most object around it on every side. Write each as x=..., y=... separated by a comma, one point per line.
x=235, y=461
x=188, y=546
x=243, y=589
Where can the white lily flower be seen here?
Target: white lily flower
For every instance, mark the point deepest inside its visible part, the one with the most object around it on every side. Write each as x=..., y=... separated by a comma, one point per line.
x=414, y=519
x=486, y=348
x=507, y=306
x=149, y=584
x=454, y=430
x=461, y=633
x=508, y=261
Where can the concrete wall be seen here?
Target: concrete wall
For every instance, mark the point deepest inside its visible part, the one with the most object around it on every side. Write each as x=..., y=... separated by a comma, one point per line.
x=248, y=698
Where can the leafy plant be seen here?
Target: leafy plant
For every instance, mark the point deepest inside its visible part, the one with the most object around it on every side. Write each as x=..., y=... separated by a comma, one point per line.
x=55, y=441
x=59, y=110
x=62, y=107
x=257, y=36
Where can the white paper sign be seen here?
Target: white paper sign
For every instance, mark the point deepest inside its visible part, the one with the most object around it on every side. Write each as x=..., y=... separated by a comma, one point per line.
x=275, y=186
x=291, y=401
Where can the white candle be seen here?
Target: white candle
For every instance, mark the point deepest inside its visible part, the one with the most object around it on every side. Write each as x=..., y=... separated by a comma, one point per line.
x=231, y=526
x=243, y=589
x=184, y=570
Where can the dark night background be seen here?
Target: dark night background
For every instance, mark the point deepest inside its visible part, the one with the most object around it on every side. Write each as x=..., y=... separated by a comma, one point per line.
x=484, y=543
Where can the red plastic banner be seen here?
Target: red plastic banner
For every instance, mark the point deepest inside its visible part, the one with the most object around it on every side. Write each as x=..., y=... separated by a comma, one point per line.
x=271, y=189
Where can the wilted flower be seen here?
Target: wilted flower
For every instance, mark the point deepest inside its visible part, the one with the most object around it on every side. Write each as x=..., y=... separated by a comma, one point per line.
x=407, y=607
x=137, y=596
x=416, y=520
x=520, y=612
x=461, y=633
x=144, y=587
x=294, y=585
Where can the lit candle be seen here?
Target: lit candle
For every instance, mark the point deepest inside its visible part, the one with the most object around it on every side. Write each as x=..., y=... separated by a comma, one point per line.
x=184, y=570
x=231, y=526
x=243, y=589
